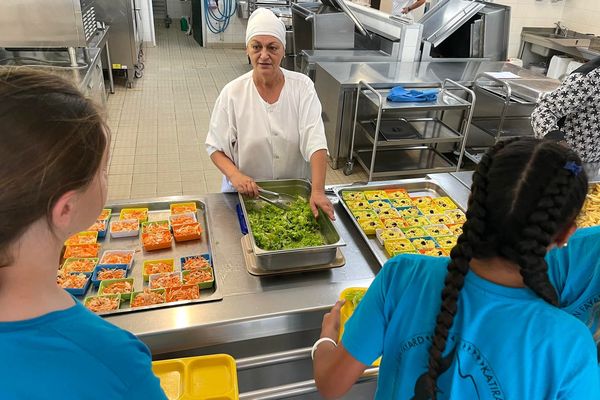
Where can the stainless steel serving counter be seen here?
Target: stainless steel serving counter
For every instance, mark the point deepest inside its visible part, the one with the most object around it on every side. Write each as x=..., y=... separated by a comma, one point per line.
x=255, y=307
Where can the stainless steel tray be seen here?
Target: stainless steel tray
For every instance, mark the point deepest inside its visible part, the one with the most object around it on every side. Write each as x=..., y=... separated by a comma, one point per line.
x=159, y=210
x=415, y=187
x=294, y=258
x=253, y=269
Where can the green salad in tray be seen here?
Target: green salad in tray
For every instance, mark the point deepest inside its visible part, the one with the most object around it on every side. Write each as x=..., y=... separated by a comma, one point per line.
x=277, y=229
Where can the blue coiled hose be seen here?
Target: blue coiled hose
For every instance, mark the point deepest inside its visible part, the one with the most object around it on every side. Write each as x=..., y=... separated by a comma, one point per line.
x=219, y=15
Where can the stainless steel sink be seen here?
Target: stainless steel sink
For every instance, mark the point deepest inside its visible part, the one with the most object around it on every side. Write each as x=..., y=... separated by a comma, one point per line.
x=565, y=38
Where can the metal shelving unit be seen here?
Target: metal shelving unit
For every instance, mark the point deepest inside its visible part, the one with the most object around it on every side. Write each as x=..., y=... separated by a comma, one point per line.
x=402, y=143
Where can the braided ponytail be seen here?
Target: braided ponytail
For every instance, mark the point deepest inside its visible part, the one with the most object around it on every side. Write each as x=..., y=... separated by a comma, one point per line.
x=460, y=256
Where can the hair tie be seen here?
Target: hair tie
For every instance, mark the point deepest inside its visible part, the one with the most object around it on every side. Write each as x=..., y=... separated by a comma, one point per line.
x=573, y=167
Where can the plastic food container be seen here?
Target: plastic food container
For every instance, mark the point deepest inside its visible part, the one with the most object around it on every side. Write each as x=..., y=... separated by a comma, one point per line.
x=202, y=377
x=408, y=212
x=187, y=232
x=389, y=223
x=100, y=226
x=437, y=252
x=352, y=196
x=457, y=216
x=183, y=218
x=370, y=226
x=388, y=234
x=362, y=215
x=456, y=229
x=86, y=237
x=179, y=208
x=397, y=193
x=155, y=300
x=124, y=228
x=394, y=247
x=444, y=203
x=410, y=222
x=118, y=257
x=104, y=285
x=72, y=265
x=424, y=243
x=195, y=262
x=388, y=213
x=105, y=214
x=440, y=219
x=358, y=205
x=95, y=279
x=141, y=214
x=156, y=241
x=414, y=232
x=437, y=230
x=380, y=205
x=167, y=263
x=82, y=290
x=376, y=195
x=155, y=226
x=422, y=201
x=402, y=202
x=90, y=299
x=446, y=242
x=182, y=293
x=205, y=284
x=169, y=279
x=428, y=211
x=82, y=251
x=352, y=295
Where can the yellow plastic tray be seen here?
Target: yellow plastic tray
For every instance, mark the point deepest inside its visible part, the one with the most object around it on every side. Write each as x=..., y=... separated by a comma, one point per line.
x=347, y=310
x=212, y=377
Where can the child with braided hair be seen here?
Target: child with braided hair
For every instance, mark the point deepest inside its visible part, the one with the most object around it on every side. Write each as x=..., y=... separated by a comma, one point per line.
x=496, y=332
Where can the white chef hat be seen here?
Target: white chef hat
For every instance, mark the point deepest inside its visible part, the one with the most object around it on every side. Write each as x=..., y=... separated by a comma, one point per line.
x=263, y=22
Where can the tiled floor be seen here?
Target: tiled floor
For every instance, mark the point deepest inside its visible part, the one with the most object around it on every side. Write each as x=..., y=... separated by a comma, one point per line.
x=159, y=126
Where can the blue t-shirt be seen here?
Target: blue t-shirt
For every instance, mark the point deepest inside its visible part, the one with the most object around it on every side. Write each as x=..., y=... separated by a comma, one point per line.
x=506, y=343
x=73, y=354
x=575, y=272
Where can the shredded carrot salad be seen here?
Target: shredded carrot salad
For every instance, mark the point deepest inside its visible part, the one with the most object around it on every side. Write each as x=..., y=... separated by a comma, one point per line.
x=138, y=214
x=116, y=258
x=187, y=230
x=71, y=281
x=195, y=263
x=147, y=298
x=155, y=227
x=125, y=225
x=165, y=281
x=183, y=293
x=110, y=273
x=98, y=226
x=82, y=251
x=153, y=239
x=118, y=287
x=82, y=265
x=198, y=276
x=157, y=268
x=82, y=238
x=182, y=208
x=182, y=219
x=102, y=303
x=104, y=214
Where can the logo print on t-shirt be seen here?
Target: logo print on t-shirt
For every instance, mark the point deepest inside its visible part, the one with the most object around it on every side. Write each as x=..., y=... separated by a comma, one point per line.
x=464, y=369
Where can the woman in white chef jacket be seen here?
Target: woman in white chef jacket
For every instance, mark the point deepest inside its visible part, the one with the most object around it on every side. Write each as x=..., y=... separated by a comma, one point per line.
x=267, y=123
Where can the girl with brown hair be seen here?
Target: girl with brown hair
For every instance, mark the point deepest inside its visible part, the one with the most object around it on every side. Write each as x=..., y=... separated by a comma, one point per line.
x=53, y=181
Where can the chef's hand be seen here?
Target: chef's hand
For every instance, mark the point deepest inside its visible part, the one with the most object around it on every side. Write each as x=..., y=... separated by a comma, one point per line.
x=331, y=322
x=318, y=199
x=244, y=184
x=405, y=10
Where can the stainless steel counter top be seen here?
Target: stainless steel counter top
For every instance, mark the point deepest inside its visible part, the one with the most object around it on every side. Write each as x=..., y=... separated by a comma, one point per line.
x=255, y=307
x=419, y=74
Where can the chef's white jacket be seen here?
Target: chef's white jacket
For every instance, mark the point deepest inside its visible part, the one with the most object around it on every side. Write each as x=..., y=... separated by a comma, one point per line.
x=267, y=141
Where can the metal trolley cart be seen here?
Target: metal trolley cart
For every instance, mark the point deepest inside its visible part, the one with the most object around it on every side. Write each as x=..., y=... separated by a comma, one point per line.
x=405, y=138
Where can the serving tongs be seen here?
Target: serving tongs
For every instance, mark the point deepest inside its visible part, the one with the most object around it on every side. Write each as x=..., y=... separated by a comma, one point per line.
x=281, y=200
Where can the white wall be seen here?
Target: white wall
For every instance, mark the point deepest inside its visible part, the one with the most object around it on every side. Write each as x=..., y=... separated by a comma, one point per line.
x=235, y=34
x=530, y=13
x=178, y=8
x=582, y=16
